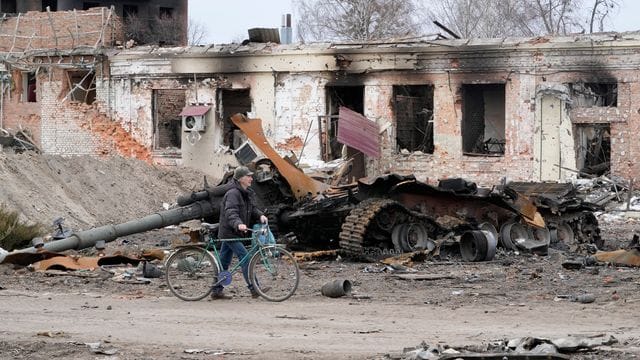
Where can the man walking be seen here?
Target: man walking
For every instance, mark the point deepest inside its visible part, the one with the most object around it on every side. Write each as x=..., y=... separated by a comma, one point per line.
x=237, y=211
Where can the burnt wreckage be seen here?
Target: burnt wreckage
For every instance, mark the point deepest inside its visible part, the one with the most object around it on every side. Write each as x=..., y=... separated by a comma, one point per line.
x=393, y=213
x=374, y=217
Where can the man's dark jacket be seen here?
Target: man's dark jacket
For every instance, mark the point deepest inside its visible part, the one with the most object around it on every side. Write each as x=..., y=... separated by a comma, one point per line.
x=238, y=207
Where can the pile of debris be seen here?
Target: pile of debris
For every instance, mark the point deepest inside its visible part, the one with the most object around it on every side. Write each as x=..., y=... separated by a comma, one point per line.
x=519, y=348
x=604, y=190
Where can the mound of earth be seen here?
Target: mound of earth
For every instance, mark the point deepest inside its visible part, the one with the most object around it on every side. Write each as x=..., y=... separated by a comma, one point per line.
x=88, y=191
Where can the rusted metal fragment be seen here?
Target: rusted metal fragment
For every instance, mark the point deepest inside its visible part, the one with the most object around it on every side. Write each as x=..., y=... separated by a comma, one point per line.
x=543, y=188
x=63, y=262
x=492, y=208
x=301, y=184
x=526, y=207
x=358, y=132
x=620, y=257
x=27, y=258
x=407, y=259
x=315, y=255
x=84, y=262
x=67, y=263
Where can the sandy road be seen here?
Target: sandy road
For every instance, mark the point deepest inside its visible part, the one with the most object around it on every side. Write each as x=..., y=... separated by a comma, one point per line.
x=303, y=326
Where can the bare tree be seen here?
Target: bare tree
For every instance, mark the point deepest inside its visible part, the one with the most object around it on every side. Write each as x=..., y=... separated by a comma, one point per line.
x=485, y=18
x=499, y=18
x=600, y=12
x=557, y=15
x=197, y=32
x=359, y=20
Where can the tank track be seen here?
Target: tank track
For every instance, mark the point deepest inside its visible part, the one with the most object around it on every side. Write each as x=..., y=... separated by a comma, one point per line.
x=368, y=226
x=583, y=224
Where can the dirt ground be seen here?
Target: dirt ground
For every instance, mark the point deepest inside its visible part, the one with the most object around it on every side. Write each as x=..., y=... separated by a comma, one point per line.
x=473, y=306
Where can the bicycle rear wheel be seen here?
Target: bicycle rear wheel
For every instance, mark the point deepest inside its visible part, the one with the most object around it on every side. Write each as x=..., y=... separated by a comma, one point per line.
x=274, y=273
x=190, y=273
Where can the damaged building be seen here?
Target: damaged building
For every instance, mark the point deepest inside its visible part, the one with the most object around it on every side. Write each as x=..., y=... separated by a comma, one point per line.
x=533, y=109
x=541, y=109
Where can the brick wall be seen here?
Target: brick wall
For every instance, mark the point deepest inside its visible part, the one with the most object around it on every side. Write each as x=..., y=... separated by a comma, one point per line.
x=73, y=128
x=61, y=130
x=60, y=30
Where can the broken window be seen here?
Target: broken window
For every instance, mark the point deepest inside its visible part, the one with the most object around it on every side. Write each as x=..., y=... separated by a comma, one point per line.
x=593, y=142
x=89, y=5
x=594, y=94
x=29, y=87
x=51, y=4
x=167, y=123
x=351, y=97
x=231, y=102
x=82, y=87
x=8, y=6
x=128, y=11
x=166, y=13
x=413, y=106
x=483, y=119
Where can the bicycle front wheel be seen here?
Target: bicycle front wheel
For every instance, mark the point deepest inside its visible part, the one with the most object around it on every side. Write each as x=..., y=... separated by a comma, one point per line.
x=190, y=273
x=274, y=273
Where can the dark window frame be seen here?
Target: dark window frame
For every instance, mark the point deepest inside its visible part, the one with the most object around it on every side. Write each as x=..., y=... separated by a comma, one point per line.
x=414, y=127
x=474, y=121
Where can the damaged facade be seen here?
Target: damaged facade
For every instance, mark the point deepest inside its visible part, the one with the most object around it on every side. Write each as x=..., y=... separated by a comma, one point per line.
x=540, y=109
x=529, y=109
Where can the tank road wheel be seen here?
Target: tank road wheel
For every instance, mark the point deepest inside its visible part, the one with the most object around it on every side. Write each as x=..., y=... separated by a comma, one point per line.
x=411, y=237
x=190, y=272
x=386, y=220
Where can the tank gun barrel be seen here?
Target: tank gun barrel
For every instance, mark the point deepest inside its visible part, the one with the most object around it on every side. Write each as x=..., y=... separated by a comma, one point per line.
x=88, y=238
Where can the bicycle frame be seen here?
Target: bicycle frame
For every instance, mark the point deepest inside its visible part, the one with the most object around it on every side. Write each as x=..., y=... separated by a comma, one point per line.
x=256, y=246
x=194, y=270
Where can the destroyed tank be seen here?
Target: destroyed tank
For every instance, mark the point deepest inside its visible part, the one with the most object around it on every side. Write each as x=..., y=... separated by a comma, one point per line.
x=393, y=213
x=375, y=217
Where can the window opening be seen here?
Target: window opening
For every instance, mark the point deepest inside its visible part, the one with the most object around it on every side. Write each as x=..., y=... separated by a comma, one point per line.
x=351, y=97
x=594, y=148
x=167, y=123
x=413, y=105
x=231, y=102
x=82, y=86
x=29, y=87
x=483, y=119
x=166, y=13
x=594, y=94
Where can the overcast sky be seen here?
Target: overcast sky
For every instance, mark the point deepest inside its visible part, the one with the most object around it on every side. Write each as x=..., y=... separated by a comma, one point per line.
x=227, y=21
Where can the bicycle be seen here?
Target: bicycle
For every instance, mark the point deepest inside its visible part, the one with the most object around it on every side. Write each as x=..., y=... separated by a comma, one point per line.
x=193, y=270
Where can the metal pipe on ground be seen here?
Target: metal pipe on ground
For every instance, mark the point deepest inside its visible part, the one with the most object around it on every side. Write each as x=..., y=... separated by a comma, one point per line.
x=336, y=288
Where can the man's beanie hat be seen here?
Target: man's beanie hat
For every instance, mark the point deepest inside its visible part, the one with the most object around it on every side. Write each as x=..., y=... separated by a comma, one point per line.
x=241, y=171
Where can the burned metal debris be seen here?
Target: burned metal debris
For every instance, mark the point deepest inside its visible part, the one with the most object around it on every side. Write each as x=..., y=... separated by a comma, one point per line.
x=382, y=216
